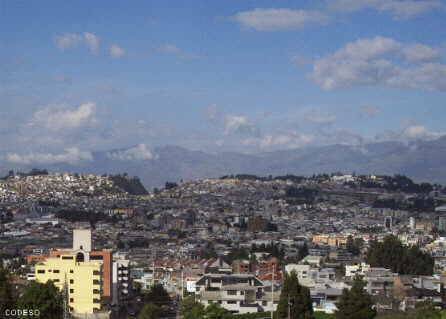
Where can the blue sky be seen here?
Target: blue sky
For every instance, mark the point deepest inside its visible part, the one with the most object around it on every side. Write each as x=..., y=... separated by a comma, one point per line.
x=247, y=76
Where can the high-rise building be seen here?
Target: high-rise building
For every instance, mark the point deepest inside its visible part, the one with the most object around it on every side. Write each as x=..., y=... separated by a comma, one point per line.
x=82, y=277
x=388, y=222
x=121, y=280
x=442, y=223
x=78, y=265
x=82, y=238
x=412, y=223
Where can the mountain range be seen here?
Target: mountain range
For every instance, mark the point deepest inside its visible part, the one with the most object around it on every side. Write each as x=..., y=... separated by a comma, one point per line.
x=420, y=160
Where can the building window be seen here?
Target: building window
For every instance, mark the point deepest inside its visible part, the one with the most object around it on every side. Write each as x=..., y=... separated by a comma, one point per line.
x=56, y=271
x=41, y=271
x=231, y=302
x=232, y=292
x=67, y=257
x=96, y=300
x=96, y=273
x=71, y=281
x=96, y=282
x=71, y=300
x=56, y=280
x=96, y=291
x=71, y=291
x=71, y=271
x=98, y=257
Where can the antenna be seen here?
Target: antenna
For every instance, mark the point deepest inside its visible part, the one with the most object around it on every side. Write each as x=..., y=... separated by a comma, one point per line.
x=66, y=310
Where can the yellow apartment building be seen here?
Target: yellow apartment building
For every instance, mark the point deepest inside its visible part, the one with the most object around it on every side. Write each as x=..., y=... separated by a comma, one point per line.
x=330, y=240
x=83, y=279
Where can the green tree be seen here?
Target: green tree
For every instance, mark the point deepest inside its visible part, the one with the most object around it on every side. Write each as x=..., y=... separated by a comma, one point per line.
x=215, y=311
x=401, y=259
x=191, y=309
x=45, y=297
x=355, y=303
x=6, y=291
x=157, y=295
x=150, y=311
x=354, y=245
x=295, y=300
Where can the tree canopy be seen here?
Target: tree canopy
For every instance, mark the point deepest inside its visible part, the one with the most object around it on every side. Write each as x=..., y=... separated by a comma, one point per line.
x=355, y=303
x=400, y=259
x=45, y=297
x=295, y=301
x=6, y=291
x=150, y=311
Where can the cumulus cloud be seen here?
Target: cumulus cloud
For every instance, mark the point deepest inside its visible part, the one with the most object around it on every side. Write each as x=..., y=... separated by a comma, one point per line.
x=410, y=132
x=399, y=9
x=239, y=124
x=421, y=53
x=419, y=132
x=72, y=40
x=380, y=61
x=278, y=19
x=68, y=41
x=116, y=51
x=140, y=152
x=287, y=140
x=58, y=119
x=70, y=156
x=92, y=41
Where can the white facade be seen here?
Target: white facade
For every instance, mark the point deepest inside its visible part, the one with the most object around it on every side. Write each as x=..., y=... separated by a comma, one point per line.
x=82, y=239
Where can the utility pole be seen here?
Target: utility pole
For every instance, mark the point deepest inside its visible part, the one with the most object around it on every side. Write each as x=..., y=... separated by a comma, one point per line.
x=66, y=310
x=289, y=307
x=272, y=293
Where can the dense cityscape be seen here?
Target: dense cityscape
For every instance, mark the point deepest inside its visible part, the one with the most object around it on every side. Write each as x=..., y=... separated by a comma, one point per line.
x=217, y=248
x=256, y=159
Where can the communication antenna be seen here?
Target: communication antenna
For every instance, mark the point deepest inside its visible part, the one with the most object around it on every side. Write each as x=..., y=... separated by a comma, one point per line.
x=66, y=310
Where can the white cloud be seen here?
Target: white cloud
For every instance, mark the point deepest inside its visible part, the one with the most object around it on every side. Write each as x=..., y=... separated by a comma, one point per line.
x=419, y=132
x=421, y=53
x=116, y=51
x=92, y=41
x=411, y=132
x=287, y=140
x=70, y=156
x=399, y=9
x=278, y=19
x=58, y=119
x=68, y=41
x=239, y=124
x=138, y=153
x=380, y=61
x=72, y=40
